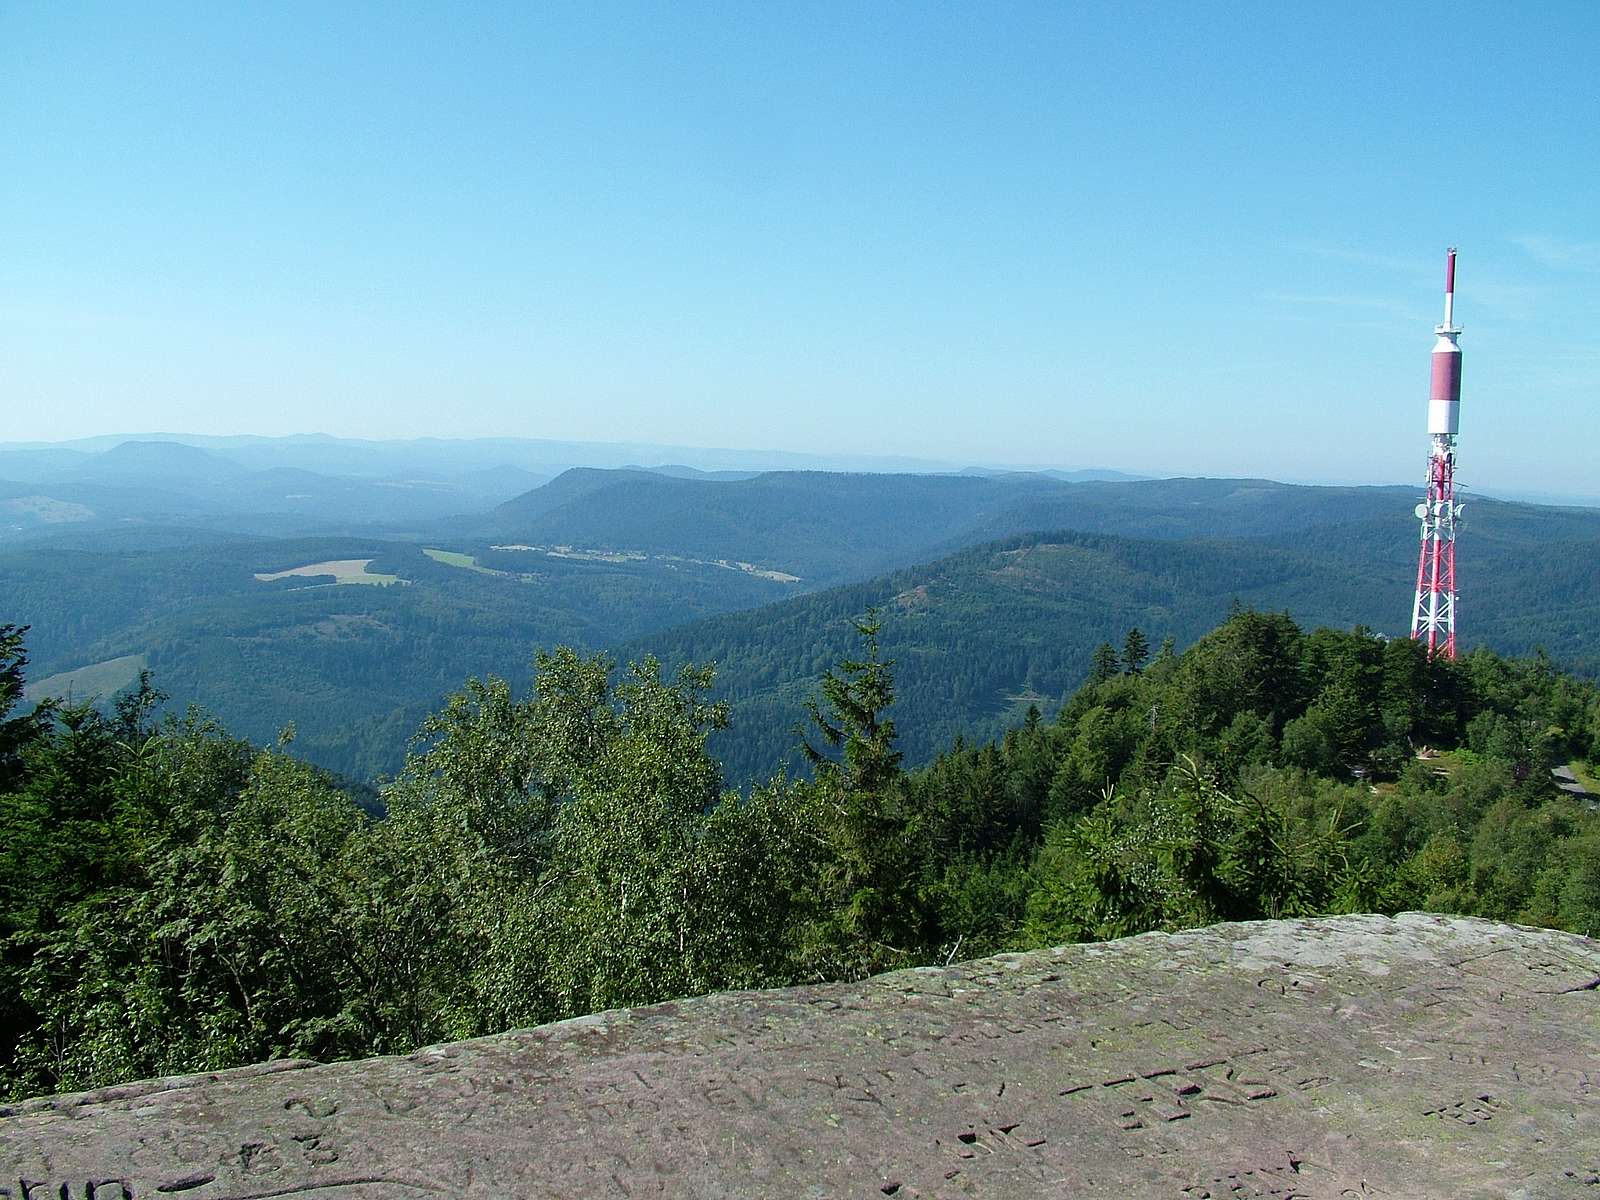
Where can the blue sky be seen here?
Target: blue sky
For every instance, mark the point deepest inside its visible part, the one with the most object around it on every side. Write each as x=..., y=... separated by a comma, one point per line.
x=1170, y=237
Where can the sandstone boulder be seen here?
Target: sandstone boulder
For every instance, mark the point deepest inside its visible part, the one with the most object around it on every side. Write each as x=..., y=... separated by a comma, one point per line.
x=1343, y=1057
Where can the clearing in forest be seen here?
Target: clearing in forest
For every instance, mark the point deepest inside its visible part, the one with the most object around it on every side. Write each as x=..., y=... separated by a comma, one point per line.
x=452, y=558
x=101, y=679
x=343, y=570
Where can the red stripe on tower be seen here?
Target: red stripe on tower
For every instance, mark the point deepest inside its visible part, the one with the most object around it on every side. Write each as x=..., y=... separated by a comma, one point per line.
x=1446, y=375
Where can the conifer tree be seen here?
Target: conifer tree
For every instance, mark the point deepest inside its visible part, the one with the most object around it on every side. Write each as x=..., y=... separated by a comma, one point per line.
x=858, y=693
x=869, y=919
x=1167, y=652
x=1135, y=650
x=1103, y=665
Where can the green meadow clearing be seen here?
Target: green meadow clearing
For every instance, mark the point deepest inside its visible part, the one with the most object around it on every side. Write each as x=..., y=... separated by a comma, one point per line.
x=103, y=679
x=467, y=562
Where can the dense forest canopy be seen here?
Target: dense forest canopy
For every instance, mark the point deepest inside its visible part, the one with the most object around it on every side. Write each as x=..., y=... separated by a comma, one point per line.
x=173, y=898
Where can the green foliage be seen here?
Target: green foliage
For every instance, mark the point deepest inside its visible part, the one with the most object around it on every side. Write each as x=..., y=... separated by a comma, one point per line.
x=858, y=693
x=867, y=918
x=174, y=899
x=191, y=929
x=1181, y=855
x=16, y=733
x=1103, y=663
x=1135, y=650
x=627, y=917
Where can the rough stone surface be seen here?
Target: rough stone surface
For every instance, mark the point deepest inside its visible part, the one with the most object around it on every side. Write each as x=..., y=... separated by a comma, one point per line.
x=1353, y=1056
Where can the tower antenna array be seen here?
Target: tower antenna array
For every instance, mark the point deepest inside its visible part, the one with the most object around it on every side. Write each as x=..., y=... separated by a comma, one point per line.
x=1433, y=613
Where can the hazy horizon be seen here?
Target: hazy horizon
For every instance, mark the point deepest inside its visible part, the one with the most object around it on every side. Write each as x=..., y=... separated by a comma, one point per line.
x=612, y=455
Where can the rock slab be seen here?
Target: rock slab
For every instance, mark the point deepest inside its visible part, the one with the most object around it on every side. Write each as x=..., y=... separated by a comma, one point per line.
x=1343, y=1057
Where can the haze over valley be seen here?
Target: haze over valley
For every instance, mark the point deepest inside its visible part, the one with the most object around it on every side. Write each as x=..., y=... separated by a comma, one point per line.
x=232, y=571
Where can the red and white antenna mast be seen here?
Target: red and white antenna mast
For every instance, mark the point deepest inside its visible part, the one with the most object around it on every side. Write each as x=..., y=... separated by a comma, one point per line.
x=1433, y=615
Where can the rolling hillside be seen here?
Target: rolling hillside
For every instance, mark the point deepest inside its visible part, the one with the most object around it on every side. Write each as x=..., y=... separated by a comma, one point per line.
x=979, y=635
x=355, y=668
x=830, y=528
x=998, y=616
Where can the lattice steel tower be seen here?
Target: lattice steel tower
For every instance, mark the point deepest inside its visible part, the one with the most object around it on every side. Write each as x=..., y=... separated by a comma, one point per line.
x=1433, y=614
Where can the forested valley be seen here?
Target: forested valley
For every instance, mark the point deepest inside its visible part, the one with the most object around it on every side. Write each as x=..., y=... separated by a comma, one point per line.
x=176, y=899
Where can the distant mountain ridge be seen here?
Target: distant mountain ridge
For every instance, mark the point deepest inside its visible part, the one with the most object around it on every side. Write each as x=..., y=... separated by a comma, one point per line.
x=545, y=455
x=829, y=527
x=319, y=485
x=165, y=482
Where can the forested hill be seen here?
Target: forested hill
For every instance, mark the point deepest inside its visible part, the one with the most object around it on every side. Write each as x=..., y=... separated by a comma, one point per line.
x=981, y=634
x=1527, y=575
x=824, y=527
x=353, y=667
x=978, y=636
x=835, y=527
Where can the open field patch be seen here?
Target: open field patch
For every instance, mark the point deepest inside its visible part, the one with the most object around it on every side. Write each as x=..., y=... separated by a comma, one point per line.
x=466, y=562
x=105, y=678
x=343, y=570
x=759, y=572
x=46, y=509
